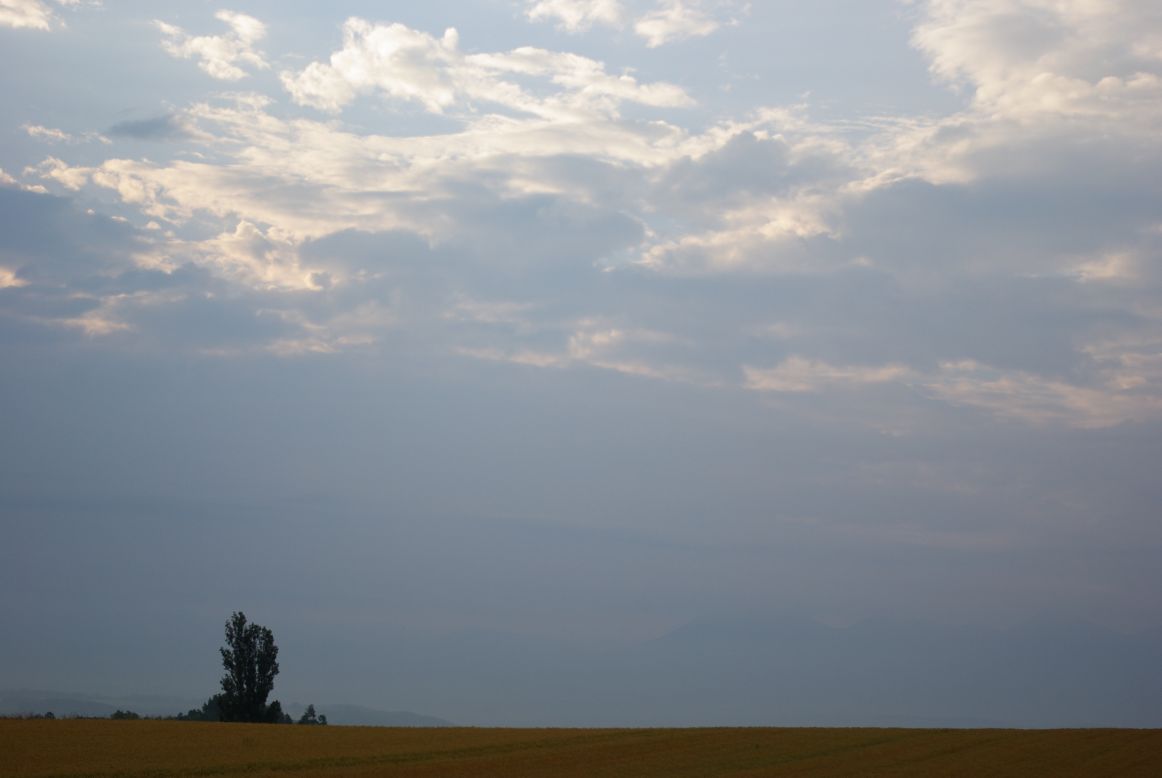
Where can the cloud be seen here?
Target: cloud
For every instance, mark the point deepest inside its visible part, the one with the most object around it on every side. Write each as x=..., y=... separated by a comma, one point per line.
x=301, y=180
x=33, y=14
x=595, y=345
x=247, y=255
x=48, y=134
x=667, y=21
x=674, y=20
x=165, y=127
x=804, y=211
x=56, y=259
x=994, y=259
x=577, y=15
x=70, y=273
x=222, y=56
x=797, y=374
x=996, y=176
x=1036, y=57
x=54, y=135
x=1045, y=401
x=1119, y=396
x=409, y=65
x=28, y=14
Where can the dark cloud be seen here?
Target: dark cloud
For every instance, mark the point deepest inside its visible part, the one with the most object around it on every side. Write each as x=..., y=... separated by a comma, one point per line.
x=997, y=226
x=158, y=128
x=743, y=169
x=50, y=240
x=360, y=252
x=535, y=234
x=76, y=272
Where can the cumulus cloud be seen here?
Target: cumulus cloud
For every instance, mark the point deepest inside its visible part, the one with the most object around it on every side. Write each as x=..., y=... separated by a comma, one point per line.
x=31, y=14
x=1037, y=57
x=996, y=259
x=222, y=56
x=1061, y=100
x=667, y=21
x=577, y=15
x=307, y=178
x=674, y=20
x=68, y=271
x=409, y=65
x=809, y=212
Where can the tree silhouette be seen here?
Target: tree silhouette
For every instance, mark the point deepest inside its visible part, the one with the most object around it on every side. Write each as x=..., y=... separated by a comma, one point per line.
x=211, y=710
x=250, y=659
x=310, y=717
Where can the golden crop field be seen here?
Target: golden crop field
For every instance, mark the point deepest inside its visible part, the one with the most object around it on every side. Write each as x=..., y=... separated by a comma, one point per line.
x=166, y=748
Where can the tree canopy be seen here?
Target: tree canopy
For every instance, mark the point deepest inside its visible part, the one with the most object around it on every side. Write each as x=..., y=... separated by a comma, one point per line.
x=250, y=658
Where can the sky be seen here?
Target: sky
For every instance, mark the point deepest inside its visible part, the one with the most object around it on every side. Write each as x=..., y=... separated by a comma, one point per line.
x=569, y=322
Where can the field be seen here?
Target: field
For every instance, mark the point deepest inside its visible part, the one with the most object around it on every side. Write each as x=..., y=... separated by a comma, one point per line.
x=163, y=748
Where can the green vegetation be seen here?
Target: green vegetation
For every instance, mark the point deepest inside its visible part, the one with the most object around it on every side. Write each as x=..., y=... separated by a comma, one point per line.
x=250, y=658
x=130, y=749
x=310, y=717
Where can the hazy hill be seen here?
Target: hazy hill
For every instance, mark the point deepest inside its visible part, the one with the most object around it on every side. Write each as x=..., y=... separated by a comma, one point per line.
x=793, y=671
x=17, y=702
x=26, y=701
x=915, y=674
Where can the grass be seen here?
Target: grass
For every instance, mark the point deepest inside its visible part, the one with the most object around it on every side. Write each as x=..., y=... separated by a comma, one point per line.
x=137, y=749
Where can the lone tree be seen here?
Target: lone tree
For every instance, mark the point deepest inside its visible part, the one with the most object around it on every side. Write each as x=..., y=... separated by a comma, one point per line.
x=250, y=658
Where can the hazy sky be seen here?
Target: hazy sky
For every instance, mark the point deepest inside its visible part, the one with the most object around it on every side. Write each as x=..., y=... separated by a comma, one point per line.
x=571, y=320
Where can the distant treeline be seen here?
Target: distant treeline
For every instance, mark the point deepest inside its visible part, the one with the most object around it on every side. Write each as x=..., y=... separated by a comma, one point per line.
x=30, y=716
x=210, y=711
